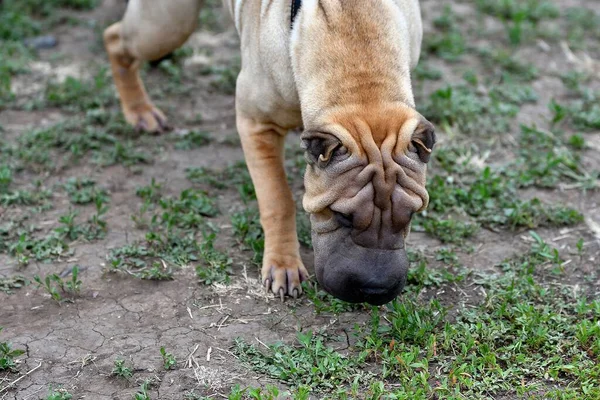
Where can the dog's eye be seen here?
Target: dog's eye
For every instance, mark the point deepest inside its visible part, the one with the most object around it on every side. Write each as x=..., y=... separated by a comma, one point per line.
x=339, y=151
x=333, y=154
x=411, y=147
x=322, y=147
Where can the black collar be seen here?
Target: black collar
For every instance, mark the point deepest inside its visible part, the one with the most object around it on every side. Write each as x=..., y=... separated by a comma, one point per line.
x=296, y=4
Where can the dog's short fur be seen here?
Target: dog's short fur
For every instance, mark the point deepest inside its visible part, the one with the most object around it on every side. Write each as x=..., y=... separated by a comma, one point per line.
x=343, y=73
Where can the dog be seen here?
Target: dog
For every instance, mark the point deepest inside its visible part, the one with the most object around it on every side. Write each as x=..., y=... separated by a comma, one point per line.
x=341, y=69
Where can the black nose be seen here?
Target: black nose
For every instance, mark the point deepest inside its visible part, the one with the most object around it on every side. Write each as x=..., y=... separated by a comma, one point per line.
x=359, y=274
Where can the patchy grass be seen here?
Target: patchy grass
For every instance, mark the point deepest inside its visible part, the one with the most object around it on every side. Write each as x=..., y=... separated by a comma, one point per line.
x=179, y=233
x=85, y=191
x=449, y=43
x=21, y=19
x=23, y=242
x=521, y=18
x=192, y=140
x=548, y=159
x=247, y=229
x=312, y=363
x=583, y=112
x=582, y=27
x=215, y=265
x=507, y=67
x=488, y=197
x=15, y=58
x=462, y=109
x=80, y=95
x=67, y=143
x=225, y=76
x=523, y=336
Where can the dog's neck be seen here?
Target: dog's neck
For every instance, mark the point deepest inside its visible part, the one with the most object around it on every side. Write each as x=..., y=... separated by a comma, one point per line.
x=347, y=53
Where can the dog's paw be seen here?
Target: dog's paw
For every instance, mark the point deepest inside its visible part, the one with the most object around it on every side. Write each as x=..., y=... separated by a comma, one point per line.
x=284, y=275
x=146, y=117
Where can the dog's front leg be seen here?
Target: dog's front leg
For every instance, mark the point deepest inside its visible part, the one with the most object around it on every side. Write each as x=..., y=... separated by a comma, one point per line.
x=263, y=144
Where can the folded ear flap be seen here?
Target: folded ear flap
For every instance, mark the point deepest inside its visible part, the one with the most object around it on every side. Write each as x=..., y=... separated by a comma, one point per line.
x=423, y=138
x=319, y=147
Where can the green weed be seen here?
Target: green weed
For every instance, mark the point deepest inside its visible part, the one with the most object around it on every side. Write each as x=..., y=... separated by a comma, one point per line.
x=141, y=262
x=488, y=197
x=582, y=24
x=425, y=72
x=449, y=230
x=8, y=356
x=520, y=332
x=507, y=67
x=25, y=246
x=420, y=275
x=37, y=197
x=120, y=370
x=233, y=176
x=449, y=44
x=58, y=394
x=215, y=265
x=57, y=287
x=225, y=76
x=94, y=229
x=247, y=228
x=545, y=161
x=323, y=302
x=12, y=282
x=188, y=210
x=519, y=15
x=84, y=191
x=463, y=109
x=65, y=143
x=142, y=393
x=5, y=178
x=192, y=140
x=583, y=113
x=169, y=361
x=81, y=95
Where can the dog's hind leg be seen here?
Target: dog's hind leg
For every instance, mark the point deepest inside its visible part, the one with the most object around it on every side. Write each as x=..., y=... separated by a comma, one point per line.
x=149, y=30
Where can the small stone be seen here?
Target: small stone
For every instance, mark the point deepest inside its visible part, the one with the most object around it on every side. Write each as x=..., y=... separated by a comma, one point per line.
x=41, y=42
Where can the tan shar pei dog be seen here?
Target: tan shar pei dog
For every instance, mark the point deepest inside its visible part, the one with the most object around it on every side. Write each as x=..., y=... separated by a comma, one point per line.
x=341, y=70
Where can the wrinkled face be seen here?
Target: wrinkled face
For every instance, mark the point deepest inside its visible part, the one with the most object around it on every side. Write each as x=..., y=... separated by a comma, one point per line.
x=364, y=180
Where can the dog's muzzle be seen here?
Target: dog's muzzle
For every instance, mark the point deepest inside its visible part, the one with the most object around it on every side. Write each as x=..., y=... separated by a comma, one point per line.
x=358, y=274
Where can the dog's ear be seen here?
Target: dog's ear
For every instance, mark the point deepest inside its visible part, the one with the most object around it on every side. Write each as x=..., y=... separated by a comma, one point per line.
x=320, y=147
x=423, y=139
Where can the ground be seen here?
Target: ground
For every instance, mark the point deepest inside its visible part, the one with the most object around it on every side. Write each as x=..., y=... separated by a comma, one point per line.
x=129, y=262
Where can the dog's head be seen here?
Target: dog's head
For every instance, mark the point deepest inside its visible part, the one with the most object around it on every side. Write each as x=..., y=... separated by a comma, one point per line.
x=364, y=180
